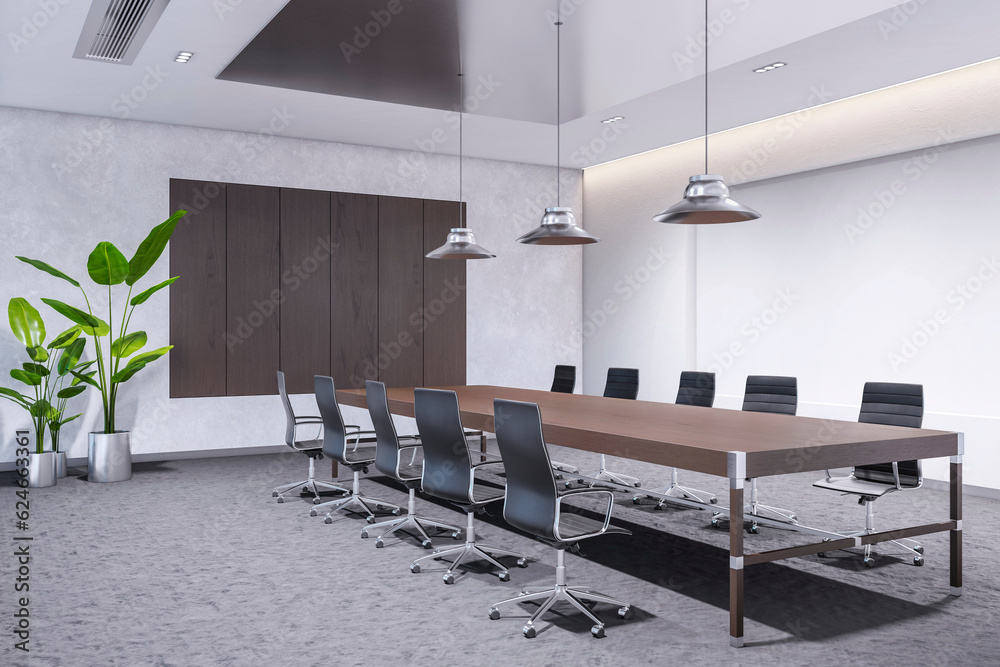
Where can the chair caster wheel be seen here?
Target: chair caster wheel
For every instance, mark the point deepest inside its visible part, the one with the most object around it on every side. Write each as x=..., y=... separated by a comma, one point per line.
x=578, y=481
x=635, y=500
x=793, y=517
x=280, y=500
x=364, y=534
x=379, y=507
x=597, y=631
x=713, y=500
x=559, y=475
x=274, y=494
x=716, y=523
x=504, y=576
x=522, y=562
x=457, y=535
x=397, y=512
x=528, y=631
x=821, y=554
x=869, y=562
x=370, y=519
x=918, y=560
x=658, y=506
x=313, y=512
x=637, y=484
x=753, y=529
x=415, y=569
x=426, y=544
x=918, y=549
x=625, y=613
x=379, y=544
x=448, y=578
x=316, y=501
x=328, y=519
x=494, y=614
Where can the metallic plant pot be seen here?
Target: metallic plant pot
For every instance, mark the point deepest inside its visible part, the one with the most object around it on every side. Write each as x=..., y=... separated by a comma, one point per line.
x=60, y=464
x=41, y=470
x=109, y=458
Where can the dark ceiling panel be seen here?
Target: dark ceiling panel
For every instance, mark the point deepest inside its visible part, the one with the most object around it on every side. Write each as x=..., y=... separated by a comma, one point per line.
x=399, y=51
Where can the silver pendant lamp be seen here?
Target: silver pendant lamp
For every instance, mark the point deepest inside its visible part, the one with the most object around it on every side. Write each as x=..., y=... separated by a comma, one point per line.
x=558, y=226
x=706, y=198
x=461, y=244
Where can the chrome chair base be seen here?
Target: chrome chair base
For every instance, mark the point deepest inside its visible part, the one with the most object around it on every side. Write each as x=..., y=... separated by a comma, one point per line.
x=470, y=548
x=575, y=595
x=605, y=475
x=356, y=499
x=917, y=549
x=678, y=491
x=412, y=523
x=311, y=484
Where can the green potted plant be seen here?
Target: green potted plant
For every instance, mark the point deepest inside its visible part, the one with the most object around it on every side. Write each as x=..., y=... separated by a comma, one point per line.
x=110, y=454
x=44, y=373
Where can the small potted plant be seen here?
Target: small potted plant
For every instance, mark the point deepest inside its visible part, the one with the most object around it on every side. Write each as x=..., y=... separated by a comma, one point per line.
x=44, y=373
x=109, y=454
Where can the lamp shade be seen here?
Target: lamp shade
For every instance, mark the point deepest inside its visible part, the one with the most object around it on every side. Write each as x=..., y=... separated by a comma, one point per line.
x=558, y=227
x=461, y=244
x=706, y=202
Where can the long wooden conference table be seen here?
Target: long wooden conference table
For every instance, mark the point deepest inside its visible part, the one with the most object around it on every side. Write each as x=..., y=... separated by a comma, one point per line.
x=726, y=443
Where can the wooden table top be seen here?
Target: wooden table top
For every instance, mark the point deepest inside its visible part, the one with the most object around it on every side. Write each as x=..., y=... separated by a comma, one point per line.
x=689, y=437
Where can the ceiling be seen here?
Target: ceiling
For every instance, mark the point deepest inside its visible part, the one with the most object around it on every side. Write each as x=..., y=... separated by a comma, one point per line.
x=636, y=58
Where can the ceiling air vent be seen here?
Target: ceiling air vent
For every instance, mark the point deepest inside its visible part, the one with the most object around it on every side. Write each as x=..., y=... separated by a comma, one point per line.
x=115, y=30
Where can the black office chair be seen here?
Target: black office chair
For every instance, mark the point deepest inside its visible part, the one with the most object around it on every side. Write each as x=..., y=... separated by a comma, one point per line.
x=534, y=505
x=893, y=404
x=698, y=389
x=621, y=383
x=335, y=436
x=449, y=474
x=774, y=394
x=388, y=460
x=312, y=448
x=564, y=382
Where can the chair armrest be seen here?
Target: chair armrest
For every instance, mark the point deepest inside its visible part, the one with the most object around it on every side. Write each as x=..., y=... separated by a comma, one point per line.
x=309, y=419
x=895, y=475
x=476, y=464
x=579, y=492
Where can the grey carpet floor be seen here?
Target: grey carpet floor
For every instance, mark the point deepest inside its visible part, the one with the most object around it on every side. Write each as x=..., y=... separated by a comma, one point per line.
x=193, y=563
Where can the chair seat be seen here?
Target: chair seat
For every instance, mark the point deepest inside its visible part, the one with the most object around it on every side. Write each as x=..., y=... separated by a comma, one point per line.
x=852, y=484
x=408, y=473
x=304, y=445
x=361, y=455
x=483, y=494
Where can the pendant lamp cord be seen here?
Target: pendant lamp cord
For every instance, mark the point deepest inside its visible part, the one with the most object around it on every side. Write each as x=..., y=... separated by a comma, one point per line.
x=558, y=111
x=461, y=117
x=706, y=86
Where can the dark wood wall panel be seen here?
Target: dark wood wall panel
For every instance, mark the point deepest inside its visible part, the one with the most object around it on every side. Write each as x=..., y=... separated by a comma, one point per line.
x=198, y=299
x=252, y=267
x=354, y=290
x=305, y=287
x=400, y=356
x=444, y=309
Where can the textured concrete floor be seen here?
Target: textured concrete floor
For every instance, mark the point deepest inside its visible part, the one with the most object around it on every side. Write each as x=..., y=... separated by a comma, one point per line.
x=193, y=563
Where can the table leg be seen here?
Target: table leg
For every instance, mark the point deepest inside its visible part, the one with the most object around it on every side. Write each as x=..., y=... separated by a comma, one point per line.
x=736, y=562
x=956, y=515
x=482, y=442
x=333, y=471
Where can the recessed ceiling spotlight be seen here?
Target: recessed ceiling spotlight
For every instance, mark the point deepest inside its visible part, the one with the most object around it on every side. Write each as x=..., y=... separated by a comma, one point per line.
x=183, y=57
x=768, y=68
x=613, y=119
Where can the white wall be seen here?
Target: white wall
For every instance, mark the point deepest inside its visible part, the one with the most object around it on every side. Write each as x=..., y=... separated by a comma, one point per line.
x=68, y=181
x=885, y=269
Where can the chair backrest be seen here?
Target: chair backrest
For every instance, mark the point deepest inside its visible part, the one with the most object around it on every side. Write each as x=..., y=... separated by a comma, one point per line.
x=289, y=413
x=771, y=393
x=386, y=438
x=564, y=380
x=531, y=485
x=893, y=404
x=622, y=383
x=334, y=430
x=696, y=388
x=447, y=470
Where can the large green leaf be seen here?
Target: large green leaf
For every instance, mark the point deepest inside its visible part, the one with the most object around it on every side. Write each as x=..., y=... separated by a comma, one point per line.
x=107, y=265
x=65, y=338
x=39, y=408
x=126, y=373
x=128, y=344
x=85, y=365
x=93, y=326
x=15, y=396
x=152, y=355
x=31, y=379
x=25, y=322
x=42, y=266
x=38, y=354
x=151, y=248
x=70, y=392
x=65, y=421
x=71, y=356
x=37, y=369
x=85, y=378
x=145, y=294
